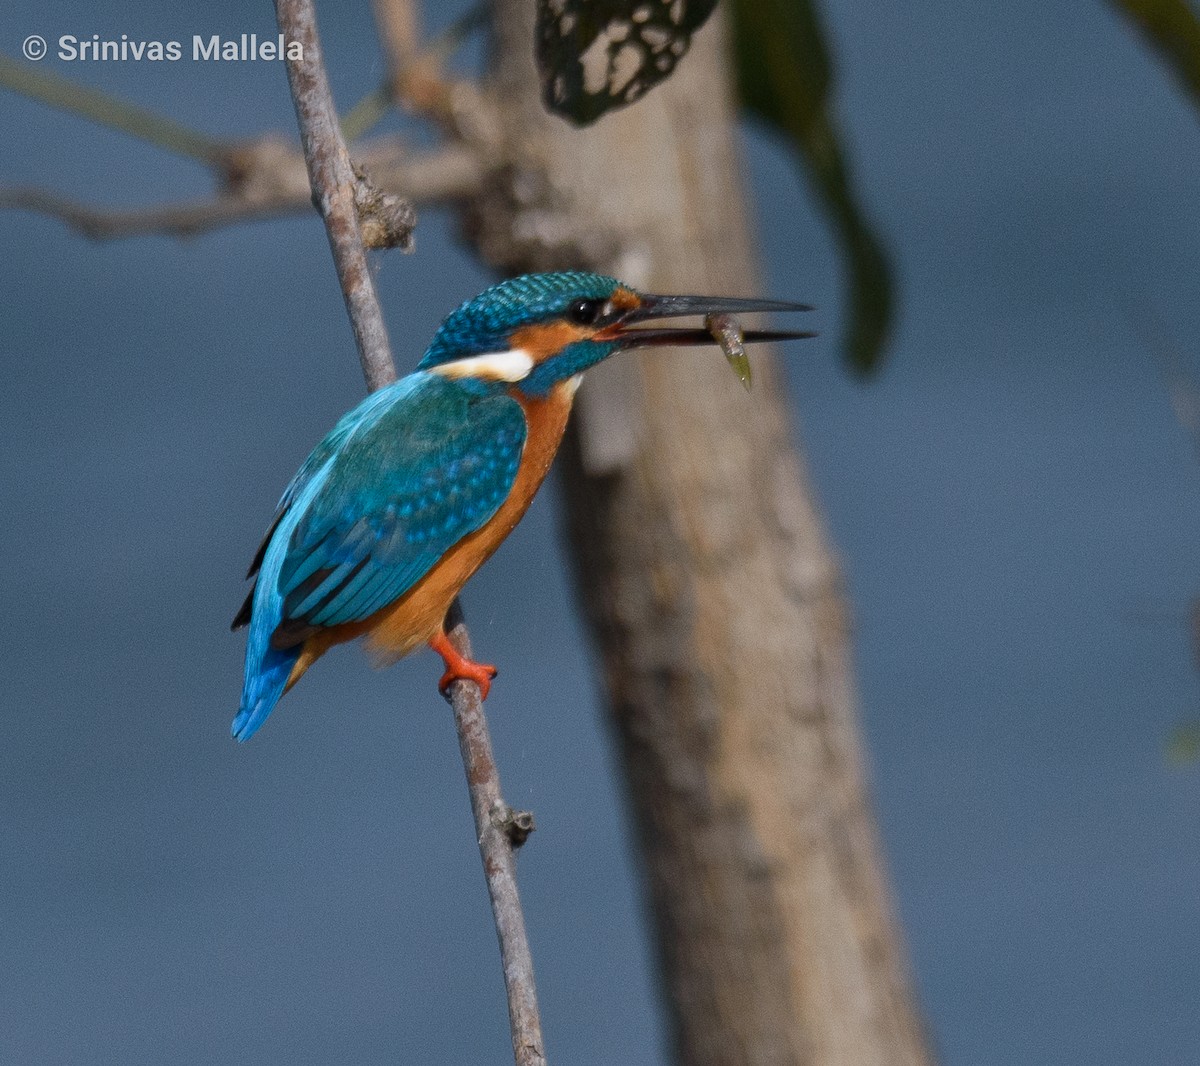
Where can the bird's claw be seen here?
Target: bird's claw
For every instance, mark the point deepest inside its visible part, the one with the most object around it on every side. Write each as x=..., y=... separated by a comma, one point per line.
x=460, y=668
x=481, y=673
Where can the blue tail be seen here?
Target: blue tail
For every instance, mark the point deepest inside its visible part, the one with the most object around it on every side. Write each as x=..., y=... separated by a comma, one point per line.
x=265, y=682
x=268, y=668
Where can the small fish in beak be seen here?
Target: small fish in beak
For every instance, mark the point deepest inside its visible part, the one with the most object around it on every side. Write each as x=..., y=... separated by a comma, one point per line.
x=727, y=332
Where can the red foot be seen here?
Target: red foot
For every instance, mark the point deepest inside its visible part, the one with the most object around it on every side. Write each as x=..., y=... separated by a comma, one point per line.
x=460, y=668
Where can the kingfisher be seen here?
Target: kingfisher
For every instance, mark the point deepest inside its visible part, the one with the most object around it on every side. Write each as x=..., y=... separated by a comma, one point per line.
x=417, y=486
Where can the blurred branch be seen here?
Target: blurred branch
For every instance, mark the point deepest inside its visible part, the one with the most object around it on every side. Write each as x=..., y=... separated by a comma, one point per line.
x=339, y=193
x=273, y=185
x=186, y=219
x=415, y=76
x=114, y=113
x=398, y=32
x=100, y=107
x=364, y=115
x=1172, y=27
x=265, y=177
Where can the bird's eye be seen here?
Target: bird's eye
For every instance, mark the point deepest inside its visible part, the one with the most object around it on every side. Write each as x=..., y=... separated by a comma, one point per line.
x=588, y=312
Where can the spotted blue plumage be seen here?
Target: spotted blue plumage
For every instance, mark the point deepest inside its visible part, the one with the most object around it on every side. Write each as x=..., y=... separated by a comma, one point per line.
x=485, y=323
x=413, y=469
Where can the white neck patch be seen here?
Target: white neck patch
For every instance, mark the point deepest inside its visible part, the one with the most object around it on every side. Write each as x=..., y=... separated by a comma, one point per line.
x=513, y=365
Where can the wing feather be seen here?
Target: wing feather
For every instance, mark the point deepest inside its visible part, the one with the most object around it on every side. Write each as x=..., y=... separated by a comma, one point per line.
x=353, y=420
x=423, y=471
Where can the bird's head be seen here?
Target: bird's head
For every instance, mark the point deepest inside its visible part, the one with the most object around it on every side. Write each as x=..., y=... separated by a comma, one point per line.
x=538, y=330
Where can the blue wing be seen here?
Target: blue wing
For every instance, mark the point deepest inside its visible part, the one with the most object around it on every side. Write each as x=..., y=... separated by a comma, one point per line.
x=431, y=468
x=403, y=477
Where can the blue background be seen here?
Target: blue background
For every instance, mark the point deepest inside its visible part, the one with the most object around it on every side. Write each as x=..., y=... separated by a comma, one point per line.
x=1013, y=500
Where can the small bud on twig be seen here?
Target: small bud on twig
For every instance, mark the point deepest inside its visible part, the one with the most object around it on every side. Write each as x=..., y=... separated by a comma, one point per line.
x=516, y=825
x=386, y=220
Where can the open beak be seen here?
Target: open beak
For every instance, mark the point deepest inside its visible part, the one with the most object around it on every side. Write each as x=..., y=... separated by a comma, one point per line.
x=656, y=307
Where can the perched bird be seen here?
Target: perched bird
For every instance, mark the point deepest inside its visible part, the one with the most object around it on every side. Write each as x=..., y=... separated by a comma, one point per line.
x=416, y=486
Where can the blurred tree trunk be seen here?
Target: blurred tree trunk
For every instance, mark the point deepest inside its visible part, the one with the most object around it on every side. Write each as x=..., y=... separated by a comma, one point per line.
x=711, y=591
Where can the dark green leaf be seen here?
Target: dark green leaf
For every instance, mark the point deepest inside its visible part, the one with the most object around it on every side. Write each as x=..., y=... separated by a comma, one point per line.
x=596, y=55
x=1172, y=27
x=785, y=77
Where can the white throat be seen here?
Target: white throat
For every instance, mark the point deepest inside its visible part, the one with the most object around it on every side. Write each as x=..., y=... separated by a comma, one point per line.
x=513, y=365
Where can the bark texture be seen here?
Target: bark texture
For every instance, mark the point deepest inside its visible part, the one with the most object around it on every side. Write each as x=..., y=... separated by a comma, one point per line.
x=711, y=591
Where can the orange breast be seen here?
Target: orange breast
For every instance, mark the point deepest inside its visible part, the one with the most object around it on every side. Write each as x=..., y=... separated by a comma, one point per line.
x=417, y=616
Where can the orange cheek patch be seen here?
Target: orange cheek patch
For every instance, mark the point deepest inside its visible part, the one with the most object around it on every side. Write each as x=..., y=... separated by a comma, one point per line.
x=543, y=341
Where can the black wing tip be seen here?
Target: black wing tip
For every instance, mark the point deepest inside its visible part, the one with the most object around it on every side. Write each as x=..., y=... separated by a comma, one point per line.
x=242, y=618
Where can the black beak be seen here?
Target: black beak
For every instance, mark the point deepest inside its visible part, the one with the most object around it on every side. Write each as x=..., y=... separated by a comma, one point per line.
x=655, y=307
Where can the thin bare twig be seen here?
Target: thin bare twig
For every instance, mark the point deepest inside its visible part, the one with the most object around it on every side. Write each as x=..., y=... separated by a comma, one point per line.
x=501, y=830
x=336, y=193
x=335, y=188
